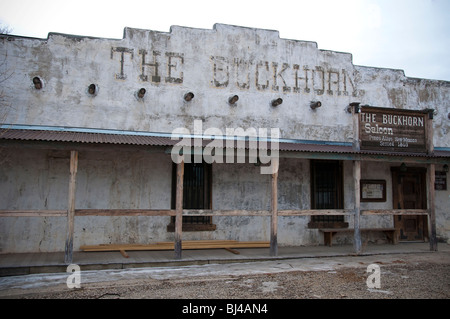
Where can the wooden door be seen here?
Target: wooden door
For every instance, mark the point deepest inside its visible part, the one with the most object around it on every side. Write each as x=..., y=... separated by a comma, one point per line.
x=409, y=192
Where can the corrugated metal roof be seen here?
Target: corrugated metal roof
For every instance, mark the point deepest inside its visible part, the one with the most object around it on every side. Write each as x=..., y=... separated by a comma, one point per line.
x=154, y=140
x=84, y=137
x=105, y=138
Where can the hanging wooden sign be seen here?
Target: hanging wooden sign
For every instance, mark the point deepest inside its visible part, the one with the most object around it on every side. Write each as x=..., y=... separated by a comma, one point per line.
x=392, y=130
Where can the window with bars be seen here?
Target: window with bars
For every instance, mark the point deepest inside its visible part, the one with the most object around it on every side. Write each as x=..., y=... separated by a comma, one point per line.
x=327, y=192
x=197, y=191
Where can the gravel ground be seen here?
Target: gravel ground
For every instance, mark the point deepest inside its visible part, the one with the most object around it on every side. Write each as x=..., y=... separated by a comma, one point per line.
x=423, y=281
x=412, y=277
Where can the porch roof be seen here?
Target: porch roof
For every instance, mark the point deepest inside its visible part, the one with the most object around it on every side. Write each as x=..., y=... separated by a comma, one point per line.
x=103, y=136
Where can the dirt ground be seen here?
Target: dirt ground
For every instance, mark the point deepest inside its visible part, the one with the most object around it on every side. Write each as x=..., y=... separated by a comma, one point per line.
x=406, y=276
x=422, y=281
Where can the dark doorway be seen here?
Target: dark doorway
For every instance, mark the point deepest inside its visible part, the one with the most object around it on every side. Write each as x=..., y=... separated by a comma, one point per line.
x=409, y=192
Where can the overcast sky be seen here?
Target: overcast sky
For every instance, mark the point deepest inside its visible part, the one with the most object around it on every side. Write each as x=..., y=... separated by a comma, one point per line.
x=412, y=35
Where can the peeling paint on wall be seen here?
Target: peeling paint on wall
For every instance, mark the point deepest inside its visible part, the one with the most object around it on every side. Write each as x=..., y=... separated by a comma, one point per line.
x=209, y=64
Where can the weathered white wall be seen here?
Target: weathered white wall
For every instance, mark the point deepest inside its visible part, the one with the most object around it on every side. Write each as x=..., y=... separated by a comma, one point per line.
x=38, y=179
x=255, y=64
x=241, y=186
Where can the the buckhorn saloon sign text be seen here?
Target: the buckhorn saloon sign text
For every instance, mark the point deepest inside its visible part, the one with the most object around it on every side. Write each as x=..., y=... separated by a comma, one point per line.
x=384, y=129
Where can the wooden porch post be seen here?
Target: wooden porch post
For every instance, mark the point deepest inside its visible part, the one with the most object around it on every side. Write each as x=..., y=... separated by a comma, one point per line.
x=179, y=210
x=274, y=209
x=356, y=182
x=431, y=176
x=71, y=207
x=431, y=171
x=356, y=179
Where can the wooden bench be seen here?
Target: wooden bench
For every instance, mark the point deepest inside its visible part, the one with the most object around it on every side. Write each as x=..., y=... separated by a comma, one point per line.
x=328, y=233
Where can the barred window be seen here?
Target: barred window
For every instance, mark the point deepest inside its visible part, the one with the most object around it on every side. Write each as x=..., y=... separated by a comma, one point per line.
x=327, y=192
x=197, y=189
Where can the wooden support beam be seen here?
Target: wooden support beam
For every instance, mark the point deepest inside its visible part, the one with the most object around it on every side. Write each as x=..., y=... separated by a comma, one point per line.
x=356, y=182
x=124, y=212
x=431, y=171
x=71, y=207
x=205, y=212
x=237, y=212
x=274, y=210
x=179, y=210
x=33, y=213
x=431, y=177
x=394, y=212
x=315, y=212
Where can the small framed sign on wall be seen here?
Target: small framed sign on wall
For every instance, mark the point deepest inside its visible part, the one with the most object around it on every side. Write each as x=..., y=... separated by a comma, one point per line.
x=373, y=190
x=440, y=182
